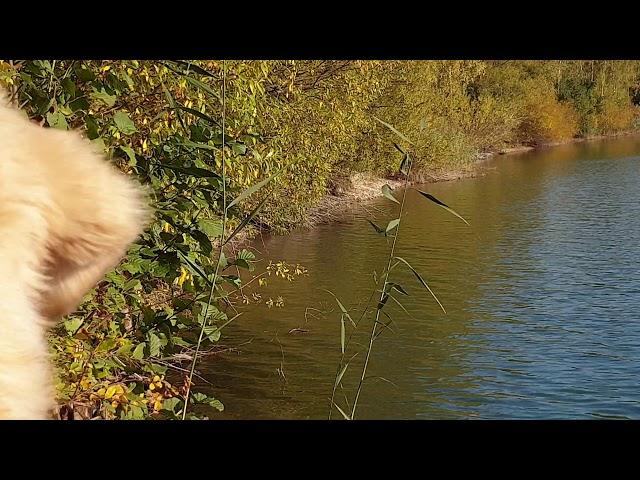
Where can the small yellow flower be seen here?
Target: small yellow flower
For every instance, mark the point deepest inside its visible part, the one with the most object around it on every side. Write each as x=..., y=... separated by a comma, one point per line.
x=184, y=275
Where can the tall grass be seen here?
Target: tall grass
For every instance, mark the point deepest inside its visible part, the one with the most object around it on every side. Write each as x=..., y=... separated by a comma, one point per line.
x=388, y=287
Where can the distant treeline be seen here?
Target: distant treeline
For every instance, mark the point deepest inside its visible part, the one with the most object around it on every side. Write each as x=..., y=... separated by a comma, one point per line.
x=314, y=120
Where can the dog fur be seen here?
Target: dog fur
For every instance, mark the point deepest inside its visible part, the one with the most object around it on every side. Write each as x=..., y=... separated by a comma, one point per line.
x=66, y=218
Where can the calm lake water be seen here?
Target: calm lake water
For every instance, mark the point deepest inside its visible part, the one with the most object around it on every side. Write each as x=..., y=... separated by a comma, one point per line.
x=542, y=294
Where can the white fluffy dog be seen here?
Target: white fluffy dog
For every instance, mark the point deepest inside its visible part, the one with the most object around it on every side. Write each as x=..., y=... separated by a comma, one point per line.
x=66, y=218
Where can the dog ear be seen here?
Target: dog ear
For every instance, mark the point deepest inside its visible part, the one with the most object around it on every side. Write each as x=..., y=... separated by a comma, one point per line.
x=66, y=218
x=99, y=225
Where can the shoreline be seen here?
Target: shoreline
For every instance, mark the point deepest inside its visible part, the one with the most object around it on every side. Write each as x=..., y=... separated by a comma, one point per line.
x=363, y=187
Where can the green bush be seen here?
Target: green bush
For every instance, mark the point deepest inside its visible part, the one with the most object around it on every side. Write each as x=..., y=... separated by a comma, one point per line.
x=162, y=122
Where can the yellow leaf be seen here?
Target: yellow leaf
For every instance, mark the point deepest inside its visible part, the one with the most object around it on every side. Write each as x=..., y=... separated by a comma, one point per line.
x=110, y=392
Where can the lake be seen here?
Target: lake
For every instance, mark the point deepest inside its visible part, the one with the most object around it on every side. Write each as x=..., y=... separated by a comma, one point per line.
x=542, y=294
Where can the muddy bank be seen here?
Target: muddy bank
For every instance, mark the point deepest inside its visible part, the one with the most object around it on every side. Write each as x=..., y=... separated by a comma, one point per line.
x=361, y=188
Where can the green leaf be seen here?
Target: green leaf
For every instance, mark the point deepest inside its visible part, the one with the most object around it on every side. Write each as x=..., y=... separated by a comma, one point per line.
x=242, y=263
x=106, y=345
x=238, y=148
x=247, y=219
x=399, y=148
x=133, y=284
x=343, y=414
x=212, y=333
x=421, y=280
x=211, y=227
x=195, y=268
x=124, y=350
x=199, y=397
x=342, y=309
x=99, y=144
x=195, y=68
x=92, y=127
x=395, y=286
x=199, y=115
x=390, y=127
x=386, y=191
x=203, y=399
x=85, y=74
x=73, y=325
x=79, y=104
x=170, y=404
x=203, y=241
x=223, y=260
x=181, y=342
x=204, y=146
x=341, y=374
x=217, y=404
x=124, y=123
x=131, y=154
x=441, y=204
x=232, y=279
x=138, y=352
x=246, y=255
x=134, y=265
x=251, y=190
x=203, y=86
x=57, y=120
x=378, y=229
x=392, y=224
x=154, y=344
x=383, y=301
x=117, y=279
x=104, y=97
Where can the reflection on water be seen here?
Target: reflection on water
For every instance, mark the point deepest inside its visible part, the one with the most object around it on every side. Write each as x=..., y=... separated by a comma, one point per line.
x=542, y=295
